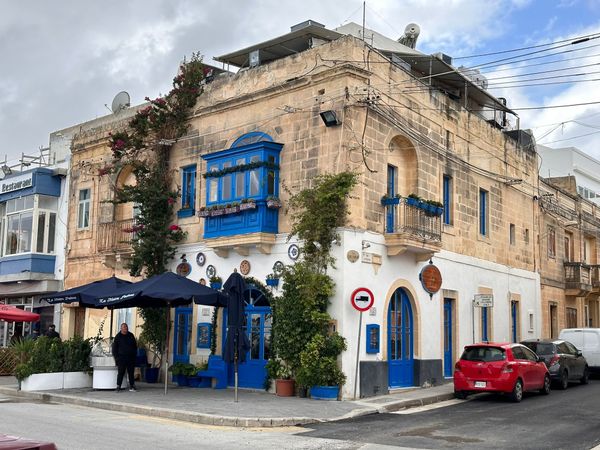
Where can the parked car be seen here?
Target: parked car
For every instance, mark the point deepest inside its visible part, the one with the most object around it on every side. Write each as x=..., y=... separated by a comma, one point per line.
x=18, y=443
x=565, y=363
x=500, y=367
x=588, y=341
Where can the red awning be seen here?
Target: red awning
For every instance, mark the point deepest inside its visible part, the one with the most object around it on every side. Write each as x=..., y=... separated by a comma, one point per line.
x=14, y=314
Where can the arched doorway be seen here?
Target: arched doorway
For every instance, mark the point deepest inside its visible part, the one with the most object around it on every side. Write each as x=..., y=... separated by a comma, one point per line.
x=400, y=340
x=259, y=320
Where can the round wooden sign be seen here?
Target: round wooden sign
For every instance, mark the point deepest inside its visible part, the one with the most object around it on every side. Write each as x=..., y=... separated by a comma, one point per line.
x=431, y=278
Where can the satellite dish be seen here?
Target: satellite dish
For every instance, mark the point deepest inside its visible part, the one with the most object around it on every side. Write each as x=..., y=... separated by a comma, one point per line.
x=412, y=30
x=120, y=102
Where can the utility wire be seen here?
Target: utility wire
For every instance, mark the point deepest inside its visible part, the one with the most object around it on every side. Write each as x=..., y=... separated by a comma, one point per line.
x=575, y=40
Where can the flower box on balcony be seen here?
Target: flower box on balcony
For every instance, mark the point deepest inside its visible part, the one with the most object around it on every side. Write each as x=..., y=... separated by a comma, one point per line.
x=204, y=213
x=232, y=210
x=272, y=282
x=387, y=201
x=217, y=212
x=247, y=206
x=412, y=201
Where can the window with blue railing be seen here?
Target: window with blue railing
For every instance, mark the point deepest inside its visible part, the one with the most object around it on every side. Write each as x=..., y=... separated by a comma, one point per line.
x=242, y=188
x=188, y=191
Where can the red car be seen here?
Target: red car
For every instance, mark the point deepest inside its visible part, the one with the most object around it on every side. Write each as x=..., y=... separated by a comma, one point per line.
x=507, y=368
x=18, y=443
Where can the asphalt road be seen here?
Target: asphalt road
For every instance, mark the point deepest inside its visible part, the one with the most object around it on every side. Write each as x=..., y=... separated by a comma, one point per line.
x=82, y=428
x=562, y=420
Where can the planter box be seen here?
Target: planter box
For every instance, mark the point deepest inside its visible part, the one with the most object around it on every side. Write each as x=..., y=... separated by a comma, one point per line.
x=245, y=206
x=390, y=201
x=43, y=382
x=232, y=210
x=151, y=374
x=77, y=380
x=272, y=282
x=216, y=285
x=273, y=204
x=324, y=392
x=203, y=213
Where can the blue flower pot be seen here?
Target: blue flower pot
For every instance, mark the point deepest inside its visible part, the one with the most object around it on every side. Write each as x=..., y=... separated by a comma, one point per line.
x=182, y=380
x=412, y=201
x=324, y=392
x=390, y=201
x=272, y=281
x=194, y=381
x=216, y=285
x=151, y=374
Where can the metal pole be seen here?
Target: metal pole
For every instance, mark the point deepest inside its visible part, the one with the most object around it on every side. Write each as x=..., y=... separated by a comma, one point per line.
x=112, y=310
x=235, y=366
x=473, y=319
x=357, y=353
x=167, y=348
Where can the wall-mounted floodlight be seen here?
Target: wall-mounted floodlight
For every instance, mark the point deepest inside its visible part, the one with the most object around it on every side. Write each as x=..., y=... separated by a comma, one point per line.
x=330, y=118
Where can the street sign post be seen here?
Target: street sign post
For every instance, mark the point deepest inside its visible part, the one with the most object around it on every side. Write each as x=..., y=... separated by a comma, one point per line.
x=362, y=300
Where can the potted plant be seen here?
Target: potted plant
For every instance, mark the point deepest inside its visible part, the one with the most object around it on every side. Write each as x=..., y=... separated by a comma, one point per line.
x=435, y=208
x=203, y=212
x=413, y=200
x=272, y=280
x=273, y=202
x=194, y=380
x=216, y=282
x=247, y=203
x=319, y=368
x=387, y=200
x=282, y=374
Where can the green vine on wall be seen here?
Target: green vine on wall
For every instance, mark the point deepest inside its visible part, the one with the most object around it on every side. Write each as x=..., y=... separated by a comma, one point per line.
x=300, y=330
x=145, y=147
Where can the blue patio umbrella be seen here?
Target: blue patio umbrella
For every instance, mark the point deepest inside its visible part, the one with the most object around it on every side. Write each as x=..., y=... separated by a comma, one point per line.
x=164, y=290
x=86, y=294
x=236, y=343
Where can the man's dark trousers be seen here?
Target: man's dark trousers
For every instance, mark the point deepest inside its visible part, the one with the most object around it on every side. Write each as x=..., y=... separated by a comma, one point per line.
x=123, y=366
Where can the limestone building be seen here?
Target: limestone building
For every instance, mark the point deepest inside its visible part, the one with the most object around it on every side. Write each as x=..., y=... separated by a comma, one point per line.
x=317, y=100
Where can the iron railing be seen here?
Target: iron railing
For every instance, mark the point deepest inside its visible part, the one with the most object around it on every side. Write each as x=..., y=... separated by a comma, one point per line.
x=414, y=221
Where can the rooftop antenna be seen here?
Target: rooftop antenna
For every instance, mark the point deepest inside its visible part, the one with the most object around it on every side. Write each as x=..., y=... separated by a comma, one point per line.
x=120, y=102
x=364, y=13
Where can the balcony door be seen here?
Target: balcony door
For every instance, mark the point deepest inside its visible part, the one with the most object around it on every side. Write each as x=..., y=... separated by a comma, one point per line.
x=392, y=174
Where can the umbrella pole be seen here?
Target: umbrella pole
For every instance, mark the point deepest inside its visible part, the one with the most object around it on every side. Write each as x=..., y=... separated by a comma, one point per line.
x=167, y=349
x=235, y=366
x=112, y=310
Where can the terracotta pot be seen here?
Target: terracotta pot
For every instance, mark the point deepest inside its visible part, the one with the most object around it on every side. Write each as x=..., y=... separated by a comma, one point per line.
x=285, y=388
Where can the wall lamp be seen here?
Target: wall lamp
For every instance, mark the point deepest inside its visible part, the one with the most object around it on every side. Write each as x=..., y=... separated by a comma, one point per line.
x=330, y=118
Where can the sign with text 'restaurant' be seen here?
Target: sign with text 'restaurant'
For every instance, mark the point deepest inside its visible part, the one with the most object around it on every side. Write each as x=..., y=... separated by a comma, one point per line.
x=16, y=183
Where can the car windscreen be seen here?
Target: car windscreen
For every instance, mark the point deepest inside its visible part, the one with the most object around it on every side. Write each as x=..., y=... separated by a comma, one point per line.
x=485, y=354
x=541, y=348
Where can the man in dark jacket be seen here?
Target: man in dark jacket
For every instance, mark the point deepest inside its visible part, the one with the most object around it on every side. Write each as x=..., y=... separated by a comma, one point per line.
x=51, y=333
x=124, y=350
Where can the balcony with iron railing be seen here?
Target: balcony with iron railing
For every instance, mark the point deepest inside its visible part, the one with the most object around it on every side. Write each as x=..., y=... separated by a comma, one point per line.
x=578, y=278
x=412, y=228
x=117, y=236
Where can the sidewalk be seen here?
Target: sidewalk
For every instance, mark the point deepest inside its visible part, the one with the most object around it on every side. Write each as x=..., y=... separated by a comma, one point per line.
x=217, y=407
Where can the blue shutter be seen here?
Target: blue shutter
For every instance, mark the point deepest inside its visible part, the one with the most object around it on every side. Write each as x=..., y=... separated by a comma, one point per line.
x=188, y=191
x=483, y=212
x=447, y=198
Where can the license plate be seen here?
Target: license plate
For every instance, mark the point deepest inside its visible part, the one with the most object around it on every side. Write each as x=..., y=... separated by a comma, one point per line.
x=480, y=384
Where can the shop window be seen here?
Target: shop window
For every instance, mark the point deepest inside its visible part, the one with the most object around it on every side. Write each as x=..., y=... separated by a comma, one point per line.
x=83, y=210
x=188, y=191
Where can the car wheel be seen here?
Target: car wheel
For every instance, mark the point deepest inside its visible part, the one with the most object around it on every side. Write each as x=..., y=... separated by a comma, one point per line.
x=586, y=376
x=546, y=389
x=517, y=393
x=460, y=395
x=564, y=380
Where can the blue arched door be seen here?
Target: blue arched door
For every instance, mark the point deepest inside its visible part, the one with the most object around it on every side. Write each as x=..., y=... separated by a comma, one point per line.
x=400, y=341
x=259, y=320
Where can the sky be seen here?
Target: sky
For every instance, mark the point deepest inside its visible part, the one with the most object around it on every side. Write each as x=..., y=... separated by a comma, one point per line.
x=63, y=61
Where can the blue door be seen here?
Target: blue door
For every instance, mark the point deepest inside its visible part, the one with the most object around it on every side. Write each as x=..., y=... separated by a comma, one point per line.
x=484, y=324
x=513, y=320
x=183, y=335
x=448, y=350
x=400, y=341
x=259, y=320
x=391, y=192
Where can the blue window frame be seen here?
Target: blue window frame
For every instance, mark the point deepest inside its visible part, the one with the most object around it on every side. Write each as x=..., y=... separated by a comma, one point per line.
x=483, y=212
x=373, y=338
x=188, y=191
x=485, y=324
x=203, y=335
x=447, y=199
x=255, y=182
